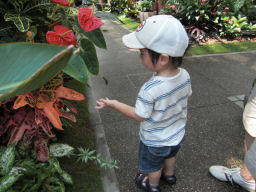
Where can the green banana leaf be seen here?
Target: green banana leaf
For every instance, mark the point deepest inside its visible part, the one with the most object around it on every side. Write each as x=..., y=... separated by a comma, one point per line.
x=77, y=69
x=28, y=66
x=89, y=55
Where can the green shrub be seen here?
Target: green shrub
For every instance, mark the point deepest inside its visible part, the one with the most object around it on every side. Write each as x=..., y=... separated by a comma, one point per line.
x=209, y=17
x=145, y=5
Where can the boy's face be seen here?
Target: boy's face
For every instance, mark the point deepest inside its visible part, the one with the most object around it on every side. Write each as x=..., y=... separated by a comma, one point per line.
x=146, y=59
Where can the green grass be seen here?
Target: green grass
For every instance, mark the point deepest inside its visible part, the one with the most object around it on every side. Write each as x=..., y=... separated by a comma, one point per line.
x=128, y=22
x=221, y=48
x=86, y=177
x=201, y=49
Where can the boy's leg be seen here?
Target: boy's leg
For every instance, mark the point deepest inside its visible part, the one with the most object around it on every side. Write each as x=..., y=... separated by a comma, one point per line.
x=169, y=166
x=154, y=177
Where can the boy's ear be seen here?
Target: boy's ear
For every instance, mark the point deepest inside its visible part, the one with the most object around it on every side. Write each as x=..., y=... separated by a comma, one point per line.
x=164, y=59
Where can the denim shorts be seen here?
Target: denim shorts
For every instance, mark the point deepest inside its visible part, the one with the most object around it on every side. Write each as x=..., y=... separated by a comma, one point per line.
x=151, y=159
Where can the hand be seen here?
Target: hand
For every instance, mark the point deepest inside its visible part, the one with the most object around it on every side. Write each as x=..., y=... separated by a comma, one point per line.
x=102, y=103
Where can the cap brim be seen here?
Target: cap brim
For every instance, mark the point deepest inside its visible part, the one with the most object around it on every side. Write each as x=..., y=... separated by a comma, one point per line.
x=131, y=41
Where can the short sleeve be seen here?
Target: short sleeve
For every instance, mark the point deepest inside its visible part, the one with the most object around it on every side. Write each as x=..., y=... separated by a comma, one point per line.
x=144, y=104
x=190, y=88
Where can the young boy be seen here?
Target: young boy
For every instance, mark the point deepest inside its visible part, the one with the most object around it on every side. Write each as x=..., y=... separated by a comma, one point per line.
x=161, y=105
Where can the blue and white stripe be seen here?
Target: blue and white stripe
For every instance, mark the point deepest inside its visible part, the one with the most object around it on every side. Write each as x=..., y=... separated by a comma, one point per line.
x=144, y=101
x=176, y=89
x=173, y=105
x=179, y=134
x=161, y=128
x=163, y=102
x=152, y=121
x=151, y=84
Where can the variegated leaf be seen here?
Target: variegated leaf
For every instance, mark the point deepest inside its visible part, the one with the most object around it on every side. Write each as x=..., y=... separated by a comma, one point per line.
x=60, y=150
x=21, y=22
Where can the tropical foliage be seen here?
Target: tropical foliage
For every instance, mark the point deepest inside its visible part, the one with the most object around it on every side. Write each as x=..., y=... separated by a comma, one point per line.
x=20, y=172
x=32, y=92
x=210, y=17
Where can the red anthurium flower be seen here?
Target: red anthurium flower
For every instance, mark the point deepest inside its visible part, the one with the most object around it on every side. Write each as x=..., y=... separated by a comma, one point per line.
x=62, y=2
x=61, y=36
x=87, y=20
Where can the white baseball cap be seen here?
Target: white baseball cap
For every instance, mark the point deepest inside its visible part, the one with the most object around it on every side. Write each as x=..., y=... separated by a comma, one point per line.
x=160, y=33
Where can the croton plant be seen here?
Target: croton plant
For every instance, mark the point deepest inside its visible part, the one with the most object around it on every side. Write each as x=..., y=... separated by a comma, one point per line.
x=32, y=94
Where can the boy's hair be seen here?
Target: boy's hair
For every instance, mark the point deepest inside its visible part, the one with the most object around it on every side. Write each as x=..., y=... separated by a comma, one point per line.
x=176, y=61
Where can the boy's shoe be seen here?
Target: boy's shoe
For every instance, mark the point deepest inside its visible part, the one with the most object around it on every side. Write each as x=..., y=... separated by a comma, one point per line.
x=170, y=179
x=232, y=175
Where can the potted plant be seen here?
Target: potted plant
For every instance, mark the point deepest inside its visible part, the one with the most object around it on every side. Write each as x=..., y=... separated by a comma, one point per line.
x=146, y=9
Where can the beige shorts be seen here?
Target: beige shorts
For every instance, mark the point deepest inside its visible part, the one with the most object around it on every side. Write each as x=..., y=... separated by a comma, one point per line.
x=249, y=114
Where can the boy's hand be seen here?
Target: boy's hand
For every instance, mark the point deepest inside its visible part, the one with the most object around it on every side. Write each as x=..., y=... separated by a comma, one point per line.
x=102, y=103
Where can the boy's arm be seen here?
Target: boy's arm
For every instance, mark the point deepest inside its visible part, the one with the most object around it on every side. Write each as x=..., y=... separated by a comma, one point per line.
x=125, y=109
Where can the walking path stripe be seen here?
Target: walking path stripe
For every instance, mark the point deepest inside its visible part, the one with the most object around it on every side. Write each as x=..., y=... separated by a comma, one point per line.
x=238, y=100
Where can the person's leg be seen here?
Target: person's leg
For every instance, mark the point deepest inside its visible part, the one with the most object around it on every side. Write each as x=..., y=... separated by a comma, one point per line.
x=150, y=167
x=154, y=177
x=245, y=173
x=249, y=121
x=169, y=166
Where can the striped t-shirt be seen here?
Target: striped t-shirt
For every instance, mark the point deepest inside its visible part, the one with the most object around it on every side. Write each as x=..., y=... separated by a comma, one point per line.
x=162, y=101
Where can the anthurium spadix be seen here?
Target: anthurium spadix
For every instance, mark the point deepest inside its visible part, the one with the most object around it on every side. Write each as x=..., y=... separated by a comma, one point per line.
x=25, y=67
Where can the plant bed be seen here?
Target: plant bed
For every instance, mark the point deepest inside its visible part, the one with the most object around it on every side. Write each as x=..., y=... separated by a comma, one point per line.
x=86, y=177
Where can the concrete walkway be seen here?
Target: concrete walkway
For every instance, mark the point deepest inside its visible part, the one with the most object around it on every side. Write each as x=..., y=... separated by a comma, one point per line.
x=214, y=133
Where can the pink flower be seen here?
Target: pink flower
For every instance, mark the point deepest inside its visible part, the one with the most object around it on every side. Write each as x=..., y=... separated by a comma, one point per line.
x=62, y=2
x=87, y=20
x=203, y=2
x=61, y=36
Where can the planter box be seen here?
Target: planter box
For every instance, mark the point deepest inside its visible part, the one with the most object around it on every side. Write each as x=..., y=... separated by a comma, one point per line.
x=144, y=15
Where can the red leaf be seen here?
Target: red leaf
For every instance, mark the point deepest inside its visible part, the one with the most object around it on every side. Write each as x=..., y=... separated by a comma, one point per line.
x=20, y=101
x=68, y=93
x=53, y=115
x=61, y=36
x=87, y=20
x=21, y=121
x=62, y=2
x=67, y=115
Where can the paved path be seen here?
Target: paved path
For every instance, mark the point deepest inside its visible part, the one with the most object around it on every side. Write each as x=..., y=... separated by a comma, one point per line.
x=214, y=133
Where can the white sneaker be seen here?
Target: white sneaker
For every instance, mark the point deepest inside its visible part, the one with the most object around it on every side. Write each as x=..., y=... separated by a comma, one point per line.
x=223, y=173
x=232, y=175
x=247, y=185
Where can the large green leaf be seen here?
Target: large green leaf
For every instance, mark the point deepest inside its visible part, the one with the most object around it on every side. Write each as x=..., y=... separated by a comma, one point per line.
x=22, y=23
x=97, y=38
x=26, y=67
x=77, y=69
x=89, y=55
